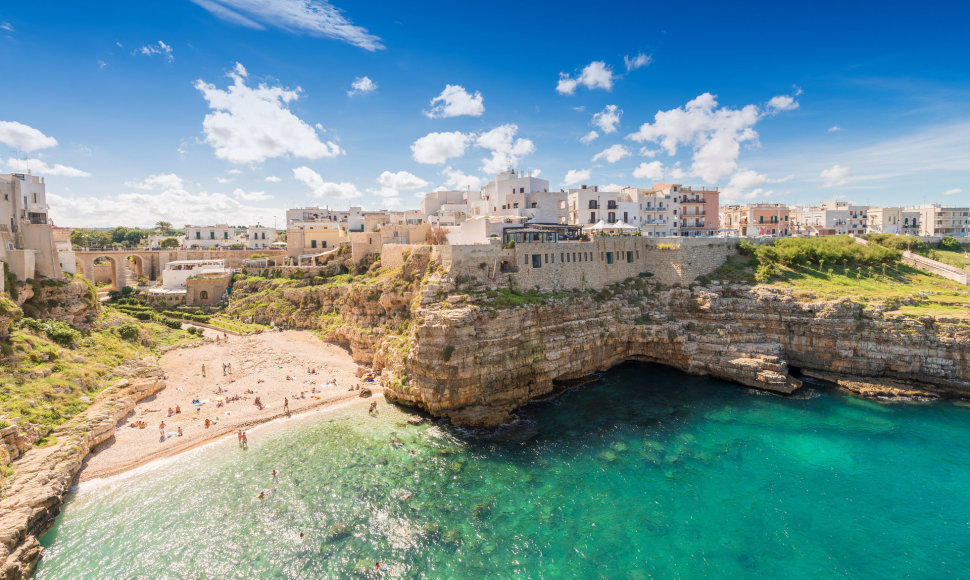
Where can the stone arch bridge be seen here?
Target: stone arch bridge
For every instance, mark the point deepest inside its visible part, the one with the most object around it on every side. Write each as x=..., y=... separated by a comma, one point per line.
x=125, y=267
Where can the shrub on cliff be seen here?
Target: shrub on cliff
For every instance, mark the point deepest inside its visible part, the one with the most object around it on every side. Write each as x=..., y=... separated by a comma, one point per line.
x=897, y=242
x=950, y=243
x=792, y=252
x=128, y=331
x=55, y=330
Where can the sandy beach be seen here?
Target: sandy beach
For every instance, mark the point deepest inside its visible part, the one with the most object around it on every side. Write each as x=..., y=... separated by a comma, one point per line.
x=270, y=366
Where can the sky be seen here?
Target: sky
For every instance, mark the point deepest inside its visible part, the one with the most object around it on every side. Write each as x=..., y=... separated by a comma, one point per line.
x=231, y=111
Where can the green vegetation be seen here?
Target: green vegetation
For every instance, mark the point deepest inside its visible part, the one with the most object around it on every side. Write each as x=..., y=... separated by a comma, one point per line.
x=950, y=244
x=838, y=268
x=48, y=381
x=446, y=355
x=955, y=258
x=912, y=243
x=223, y=321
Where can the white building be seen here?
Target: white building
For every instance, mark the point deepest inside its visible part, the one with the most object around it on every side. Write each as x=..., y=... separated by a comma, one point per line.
x=177, y=272
x=936, y=220
x=26, y=235
x=259, y=237
x=657, y=212
x=831, y=218
x=217, y=236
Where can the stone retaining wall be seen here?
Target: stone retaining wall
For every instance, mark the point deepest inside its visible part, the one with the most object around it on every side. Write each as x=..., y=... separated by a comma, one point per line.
x=934, y=267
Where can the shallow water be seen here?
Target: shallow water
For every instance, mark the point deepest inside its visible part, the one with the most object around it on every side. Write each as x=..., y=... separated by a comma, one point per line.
x=646, y=473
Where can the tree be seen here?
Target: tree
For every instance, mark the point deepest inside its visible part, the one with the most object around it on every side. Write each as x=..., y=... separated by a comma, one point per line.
x=163, y=228
x=133, y=237
x=169, y=243
x=950, y=243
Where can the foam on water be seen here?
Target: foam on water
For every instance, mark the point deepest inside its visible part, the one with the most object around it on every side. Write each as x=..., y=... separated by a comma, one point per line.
x=645, y=473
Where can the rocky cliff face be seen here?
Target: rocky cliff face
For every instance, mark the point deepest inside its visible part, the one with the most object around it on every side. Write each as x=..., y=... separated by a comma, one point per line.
x=475, y=364
x=32, y=498
x=74, y=301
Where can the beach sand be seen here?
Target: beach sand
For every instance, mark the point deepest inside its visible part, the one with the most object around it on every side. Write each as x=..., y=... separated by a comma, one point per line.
x=269, y=356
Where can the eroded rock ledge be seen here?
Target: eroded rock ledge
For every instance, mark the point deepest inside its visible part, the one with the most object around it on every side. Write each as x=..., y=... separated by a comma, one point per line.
x=32, y=498
x=475, y=364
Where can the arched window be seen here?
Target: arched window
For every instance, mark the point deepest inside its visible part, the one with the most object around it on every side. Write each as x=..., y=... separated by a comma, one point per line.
x=204, y=295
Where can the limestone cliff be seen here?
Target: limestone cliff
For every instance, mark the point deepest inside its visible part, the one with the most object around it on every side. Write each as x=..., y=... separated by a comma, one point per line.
x=73, y=301
x=32, y=498
x=475, y=364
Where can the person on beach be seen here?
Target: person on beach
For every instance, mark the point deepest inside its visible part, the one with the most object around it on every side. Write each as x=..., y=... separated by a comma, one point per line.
x=178, y=409
x=245, y=440
x=207, y=423
x=217, y=339
x=180, y=430
x=225, y=337
x=203, y=370
x=239, y=437
x=274, y=474
x=286, y=405
x=229, y=367
x=223, y=369
x=373, y=407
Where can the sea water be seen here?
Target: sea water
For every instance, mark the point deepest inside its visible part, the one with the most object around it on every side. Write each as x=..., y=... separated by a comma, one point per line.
x=646, y=473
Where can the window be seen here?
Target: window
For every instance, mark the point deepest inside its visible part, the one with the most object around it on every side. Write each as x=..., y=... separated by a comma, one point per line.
x=562, y=258
x=212, y=235
x=761, y=219
x=35, y=197
x=592, y=204
x=521, y=190
x=527, y=259
x=611, y=217
x=225, y=235
x=536, y=261
x=609, y=257
x=313, y=243
x=204, y=295
x=629, y=257
x=198, y=235
x=545, y=258
x=611, y=204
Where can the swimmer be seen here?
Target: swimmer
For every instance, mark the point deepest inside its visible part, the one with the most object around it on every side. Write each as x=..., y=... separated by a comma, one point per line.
x=262, y=495
x=274, y=474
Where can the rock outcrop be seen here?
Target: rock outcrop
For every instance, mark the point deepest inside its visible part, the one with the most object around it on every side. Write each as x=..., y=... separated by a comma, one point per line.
x=32, y=498
x=475, y=364
x=73, y=301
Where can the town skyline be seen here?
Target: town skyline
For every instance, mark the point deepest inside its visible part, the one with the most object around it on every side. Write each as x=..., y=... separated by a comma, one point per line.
x=233, y=111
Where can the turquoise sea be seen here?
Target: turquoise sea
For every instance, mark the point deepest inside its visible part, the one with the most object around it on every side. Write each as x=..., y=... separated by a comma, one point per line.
x=645, y=473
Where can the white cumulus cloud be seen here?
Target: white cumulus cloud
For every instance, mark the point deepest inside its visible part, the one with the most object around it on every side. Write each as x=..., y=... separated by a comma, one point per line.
x=24, y=137
x=401, y=180
x=310, y=17
x=320, y=188
x=361, y=86
x=714, y=133
x=639, y=61
x=39, y=167
x=589, y=137
x=252, y=124
x=743, y=180
x=612, y=154
x=574, y=176
x=439, y=147
x=158, y=197
x=835, y=175
x=272, y=179
x=782, y=103
x=608, y=119
x=953, y=191
x=835, y=129
x=455, y=101
x=651, y=171
x=251, y=195
x=595, y=75
x=455, y=179
x=159, y=48
x=506, y=149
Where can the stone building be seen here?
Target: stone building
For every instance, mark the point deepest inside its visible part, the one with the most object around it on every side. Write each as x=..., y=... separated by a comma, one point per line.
x=26, y=235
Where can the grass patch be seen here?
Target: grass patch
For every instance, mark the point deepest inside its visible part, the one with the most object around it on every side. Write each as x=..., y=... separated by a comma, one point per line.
x=950, y=258
x=223, y=321
x=47, y=383
x=904, y=290
x=506, y=298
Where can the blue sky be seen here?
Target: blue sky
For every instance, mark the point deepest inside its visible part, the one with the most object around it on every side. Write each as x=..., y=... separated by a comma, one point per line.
x=211, y=111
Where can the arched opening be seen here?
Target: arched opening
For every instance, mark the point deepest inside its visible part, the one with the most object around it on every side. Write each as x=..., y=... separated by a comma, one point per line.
x=204, y=295
x=104, y=275
x=135, y=272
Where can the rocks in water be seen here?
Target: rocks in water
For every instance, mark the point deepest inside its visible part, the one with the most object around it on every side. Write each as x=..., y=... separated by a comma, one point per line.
x=482, y=510
x=338, y=531
x=608, y=456
x=365, y=393
x=451, y=537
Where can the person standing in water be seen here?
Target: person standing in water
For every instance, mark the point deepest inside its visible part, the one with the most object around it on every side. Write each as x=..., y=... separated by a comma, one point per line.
x=203, y=370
